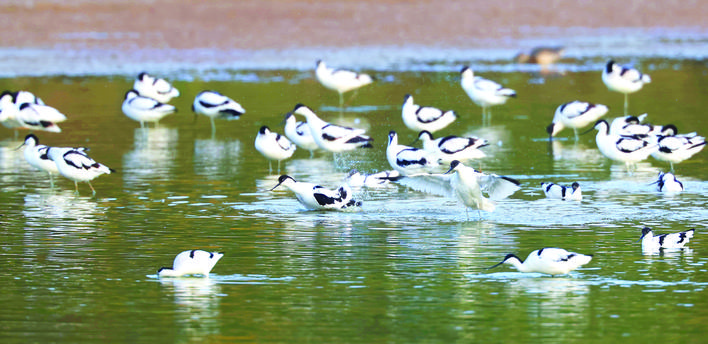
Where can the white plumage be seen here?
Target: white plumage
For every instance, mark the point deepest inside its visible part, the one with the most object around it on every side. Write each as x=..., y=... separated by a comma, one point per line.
x=668, y=183
x=627, y=149
x=408, y=160
x=144, y=109
x=23, y=109
x=330, y=137
x=340, y=80
x=676, y=148
x=449, y=148
x=549, y=260
x=273, y=146
x=650, y=242
x=483, y=92
x=76, y=165
x=466, y=185
x=216, y=105
x=383, y=178
x=557, y=191
x=623, y=79
x=156, y=88
x=36, y=156
x=316, y=197
x=575, y=115
x=632, y=125
x=419, y=118
x=193, y=262
x=299, y=133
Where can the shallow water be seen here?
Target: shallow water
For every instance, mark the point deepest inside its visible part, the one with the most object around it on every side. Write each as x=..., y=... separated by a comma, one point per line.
x=407, y=267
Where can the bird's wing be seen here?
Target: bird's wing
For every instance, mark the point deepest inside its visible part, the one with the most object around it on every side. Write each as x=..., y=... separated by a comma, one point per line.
x=333, y=132
x=555, y=254
x=498, y=187
x=630, y=144
x=486, y=85
x=454, y=144
x=144, y=103
x=437, y=184
x=575, y=109
x=428, y=114
x=79, y=160
x=631, y=74
x=212, y=99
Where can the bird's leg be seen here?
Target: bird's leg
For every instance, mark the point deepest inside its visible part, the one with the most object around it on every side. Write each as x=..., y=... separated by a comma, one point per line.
x=76, y=185
x=626, y=103
x=672, y=166
x=142, y=125
x=213, y=128
x=577, y=138
x=92, y=189
x=51, y=180
x=278, y=166
x=270, y=167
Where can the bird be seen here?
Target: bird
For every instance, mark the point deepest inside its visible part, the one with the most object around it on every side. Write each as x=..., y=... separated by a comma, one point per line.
x=576, y=115
x=623, y=79
x=668, y=183
x=558, y=191
x=273, y=146
x=193, y=262
x=152, y=87
x=340, y=80
x=216, y=105
x=450, y=148
x=76, y=165
x=632, y=125
x=666, y=241
x=330, y=137
x=408, y=160
x=543, y=56
x=418, y=118
x=299, y=133
x=36, y=156
x=548, y=260
x=483, y=92
x=24, y=110
x=466, y=185
x=145, y=109
x=627, y=149
x=676, y=148
x=383, y=178
x=316, y=197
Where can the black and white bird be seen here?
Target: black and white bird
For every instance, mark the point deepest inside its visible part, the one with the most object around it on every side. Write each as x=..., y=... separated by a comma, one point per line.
x=373, y=180
x=340, y=80
x=273, y=146
x=299, y=133
x=193, y=262
x=145, y=109
x=634, y=126
x=575, y=115
x=449, y=148
x=675, y=148
x=216, y=105
x=650, y=242
x=627, y=149
x=419, y=118
x=75, y=164
x=331, y=137
x=668, y=183
x=156, y=88
x=483, y=92
x=557, y=191
x=408, y=160
x=316, y=197
x=23, y=110
x=623, y=79
x=548, y=260
x=466, y=185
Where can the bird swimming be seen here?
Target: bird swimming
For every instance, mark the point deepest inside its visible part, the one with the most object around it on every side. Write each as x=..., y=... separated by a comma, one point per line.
x=650, y=242
x=316, y=197
x=668, y=183
x=548, y=260
x=558, y=191
x=193, y=262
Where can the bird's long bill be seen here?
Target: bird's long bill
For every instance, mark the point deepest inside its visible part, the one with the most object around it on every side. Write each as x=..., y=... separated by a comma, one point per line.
x=495, y=265
x=587, y=131
x=276, y=185
x=285, y=118
x=450, y=170
x=20, y=146
x=414, y=141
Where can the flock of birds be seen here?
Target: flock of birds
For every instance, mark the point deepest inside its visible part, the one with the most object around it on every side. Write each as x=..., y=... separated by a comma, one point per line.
x=626, y=139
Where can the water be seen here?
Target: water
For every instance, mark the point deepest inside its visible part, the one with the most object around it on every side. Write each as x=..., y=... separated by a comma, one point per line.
x=409, y=267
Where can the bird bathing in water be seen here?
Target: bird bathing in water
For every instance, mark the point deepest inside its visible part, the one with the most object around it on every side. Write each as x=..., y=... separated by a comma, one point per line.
x=194, y=262
x=316, y=197
x=549, y=260
x=650, y=242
